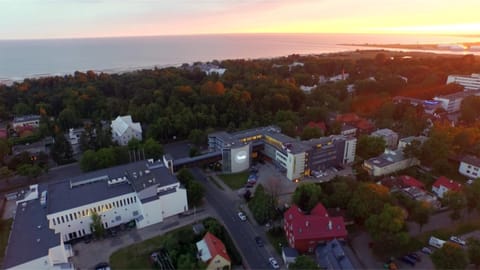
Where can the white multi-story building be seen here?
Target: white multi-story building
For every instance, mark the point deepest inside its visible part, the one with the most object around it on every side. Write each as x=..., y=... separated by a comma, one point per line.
x=471, y=82
x=143, y=193
x=390, y=137
x=470, y=167
x=124, y=129
x=26, y=120
x=451, y=103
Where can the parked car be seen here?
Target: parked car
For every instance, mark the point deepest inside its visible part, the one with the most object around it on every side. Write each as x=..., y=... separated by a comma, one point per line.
x=427, y=250
x=415, y=256
x=273, y=263
x=102, y=266
x=458, y=240
x=408, y=260
x=242, y=216
x=259, y=241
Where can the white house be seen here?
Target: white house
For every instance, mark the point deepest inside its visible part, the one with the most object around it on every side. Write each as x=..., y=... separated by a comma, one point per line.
x=470, y=167
x=124, y=129
x=388, y=162
x=143, y=193
x=26, y=120
x=442, y=185
x=471, y=82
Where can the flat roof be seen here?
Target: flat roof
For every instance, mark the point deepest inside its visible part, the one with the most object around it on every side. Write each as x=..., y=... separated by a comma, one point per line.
x=31, y=234
x=24, y=118
x=93, y=186
x=387, y=158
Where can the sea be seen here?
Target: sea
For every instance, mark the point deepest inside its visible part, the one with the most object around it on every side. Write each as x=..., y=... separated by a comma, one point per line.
x=20, y=59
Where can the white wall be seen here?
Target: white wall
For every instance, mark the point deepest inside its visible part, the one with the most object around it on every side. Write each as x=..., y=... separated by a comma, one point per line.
x=82, y=222
x=350, y=149
x=469, y=170
x=295, y=165
x=129, y=134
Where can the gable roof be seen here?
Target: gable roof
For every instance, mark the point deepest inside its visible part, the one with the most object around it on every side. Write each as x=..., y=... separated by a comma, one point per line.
x=409, y=181
x=472, y=160
x=215, y=246
x=447, y=183
x=316, y=225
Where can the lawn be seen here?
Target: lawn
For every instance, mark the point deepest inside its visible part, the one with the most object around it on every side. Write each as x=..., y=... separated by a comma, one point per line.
x=5, y=226
x=235, y=180
x=180, y=245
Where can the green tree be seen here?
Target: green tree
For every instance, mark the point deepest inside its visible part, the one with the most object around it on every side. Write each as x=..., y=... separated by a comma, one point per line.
x=88, y=162
x=388, y=222
x=184, y=176
x=260, y=205
x=456, y=202
x=30, y=171
x=342, y=192
x=186, y=261
x=307, y=195
x=311, y=133
x=97, y=225
x=449, y=256
x=366, y=199
x=62, y=151
x=195, y=193
x=421, y=214
x=153, y=149
x=370, y=146
x=197, y=137
x=469, y=109
x=303, y=262
x=413, y=149
x=473, y=250
x=472, y=193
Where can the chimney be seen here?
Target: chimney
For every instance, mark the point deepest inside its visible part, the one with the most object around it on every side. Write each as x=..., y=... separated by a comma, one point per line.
x=306, y=223
x=330, y=225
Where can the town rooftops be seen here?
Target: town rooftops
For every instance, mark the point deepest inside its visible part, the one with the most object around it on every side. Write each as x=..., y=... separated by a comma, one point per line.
x=317, y=225
x=106, y=183
x=332, y=256
x=33, y=238
x=447, y=183
x=387, y=158
x=26, y=118
x=472, y=160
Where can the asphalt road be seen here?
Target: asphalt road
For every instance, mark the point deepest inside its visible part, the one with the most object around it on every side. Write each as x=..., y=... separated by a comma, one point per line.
x=242, y=232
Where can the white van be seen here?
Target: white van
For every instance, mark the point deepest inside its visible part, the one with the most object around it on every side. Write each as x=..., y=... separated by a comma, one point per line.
x=436, y=242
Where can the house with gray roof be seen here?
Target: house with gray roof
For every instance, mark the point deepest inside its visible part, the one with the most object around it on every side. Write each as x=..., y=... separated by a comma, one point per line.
x=389, y=162
x=124, y=129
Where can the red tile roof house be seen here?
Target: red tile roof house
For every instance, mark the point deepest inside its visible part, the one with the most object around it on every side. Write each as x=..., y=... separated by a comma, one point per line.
x=305, y=232
x=212, y=251
x=443, y=185
x=408, y=181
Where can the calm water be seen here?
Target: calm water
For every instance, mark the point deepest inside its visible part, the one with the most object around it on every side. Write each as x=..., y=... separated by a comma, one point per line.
x=31, y=58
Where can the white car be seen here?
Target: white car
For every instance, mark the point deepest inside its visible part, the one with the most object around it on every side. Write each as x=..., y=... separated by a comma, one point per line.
x=242, y=216
x=458, y=240
x=274, y=263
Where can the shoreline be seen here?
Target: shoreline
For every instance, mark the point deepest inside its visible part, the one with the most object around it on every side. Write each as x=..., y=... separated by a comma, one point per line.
x=362, y=48
x=455, y=48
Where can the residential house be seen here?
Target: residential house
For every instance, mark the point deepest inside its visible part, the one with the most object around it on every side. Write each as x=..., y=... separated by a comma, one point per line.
x=333, y=256
x=212, y=251
x=403, y=142
x=362, y=125
x=305, y=231
x=124, y=129
x=470, y=166
x=442, y=185
x=26, y=120
x=289, y=255
x=389, y=162
x=73, y=138
x=389, y=136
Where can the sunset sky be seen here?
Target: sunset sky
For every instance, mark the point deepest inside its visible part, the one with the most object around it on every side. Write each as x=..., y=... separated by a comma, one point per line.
x=32, y=19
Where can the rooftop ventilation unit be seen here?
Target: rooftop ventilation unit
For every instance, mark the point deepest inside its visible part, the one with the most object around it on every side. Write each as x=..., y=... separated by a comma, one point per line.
x=88, y=181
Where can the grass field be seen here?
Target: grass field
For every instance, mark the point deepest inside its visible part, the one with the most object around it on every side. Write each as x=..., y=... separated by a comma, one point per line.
x=4, y=233
x=235, y=180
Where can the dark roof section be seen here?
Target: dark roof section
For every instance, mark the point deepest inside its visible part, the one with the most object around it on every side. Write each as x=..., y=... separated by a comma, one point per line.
x=107, y=183
x=32, y=236
x=472, y=160
x=332, y=256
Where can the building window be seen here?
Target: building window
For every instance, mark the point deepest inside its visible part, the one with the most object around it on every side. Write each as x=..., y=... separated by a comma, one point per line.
x=66, y=218
x=63, y=219
x=54, y=223
x=58, y=220
x=71, y=217
x=75, y=215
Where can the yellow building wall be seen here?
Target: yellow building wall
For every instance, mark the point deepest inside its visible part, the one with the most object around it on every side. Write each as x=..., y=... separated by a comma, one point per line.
x=218, y=262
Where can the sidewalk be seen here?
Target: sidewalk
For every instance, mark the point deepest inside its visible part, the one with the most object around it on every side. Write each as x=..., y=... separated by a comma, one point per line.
x=89, y=255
